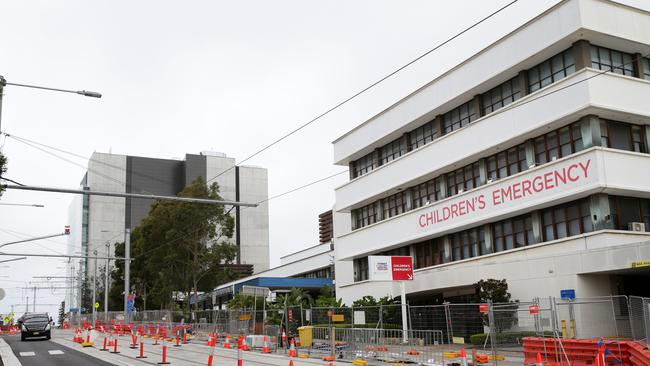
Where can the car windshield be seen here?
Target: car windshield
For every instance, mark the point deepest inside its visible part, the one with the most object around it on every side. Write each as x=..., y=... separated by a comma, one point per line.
x=37, y=319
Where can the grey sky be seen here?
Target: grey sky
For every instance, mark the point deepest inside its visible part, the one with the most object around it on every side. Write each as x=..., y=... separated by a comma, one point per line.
x=185, y=76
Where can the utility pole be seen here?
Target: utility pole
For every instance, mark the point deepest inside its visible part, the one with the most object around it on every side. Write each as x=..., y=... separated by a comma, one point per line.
x=108, y=254
x=94, y=288
x=27, y=304
x=127, y=272
x=34, y=300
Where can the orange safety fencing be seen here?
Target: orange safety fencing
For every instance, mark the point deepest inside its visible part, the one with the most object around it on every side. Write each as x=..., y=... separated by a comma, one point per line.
x=583, y=352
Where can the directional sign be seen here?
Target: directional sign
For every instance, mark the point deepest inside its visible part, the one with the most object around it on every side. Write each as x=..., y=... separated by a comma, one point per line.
x=390, y=268
x=402, y=268
x=568, y=294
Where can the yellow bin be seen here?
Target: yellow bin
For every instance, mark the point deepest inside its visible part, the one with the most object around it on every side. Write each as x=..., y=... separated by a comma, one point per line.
x=305, y=333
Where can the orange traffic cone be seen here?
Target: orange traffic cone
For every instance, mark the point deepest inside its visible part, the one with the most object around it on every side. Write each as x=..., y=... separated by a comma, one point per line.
x=292, y=349
x=463, y=357
x=265, y=349
x=227, y=343
x=291, y=362
x=539, y=360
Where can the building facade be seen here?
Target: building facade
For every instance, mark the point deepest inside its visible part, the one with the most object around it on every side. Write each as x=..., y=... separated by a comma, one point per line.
x=101, y=221
x=528, y=161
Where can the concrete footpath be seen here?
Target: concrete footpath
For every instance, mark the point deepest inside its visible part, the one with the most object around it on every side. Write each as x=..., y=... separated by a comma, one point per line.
x=192, y=353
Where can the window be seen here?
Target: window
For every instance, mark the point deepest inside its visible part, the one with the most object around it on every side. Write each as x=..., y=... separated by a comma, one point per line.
x=429, y=253
x=557, y=144
x=363, y=165
x=467, y=243
x=391, y=151
x=606, y=59
x=625, y=210
x=506, y=163
x=425, y=193
x=501, y=95
x=459, y=117
x=463, y=179
x=567, y=220
x=364, y=216
x=423, y=135
x=360, y=269
x=395, y=205
x=622, y=136
x=551, y=70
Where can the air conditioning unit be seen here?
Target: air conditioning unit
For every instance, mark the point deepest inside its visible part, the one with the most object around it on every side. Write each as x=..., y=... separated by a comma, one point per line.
x=636, y=226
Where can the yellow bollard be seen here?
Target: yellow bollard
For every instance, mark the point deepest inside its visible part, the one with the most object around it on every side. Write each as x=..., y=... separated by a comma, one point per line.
x=563, y=328
x=572, y=325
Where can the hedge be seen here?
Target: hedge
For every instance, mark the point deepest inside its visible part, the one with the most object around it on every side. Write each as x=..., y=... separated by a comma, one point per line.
x=503, y=337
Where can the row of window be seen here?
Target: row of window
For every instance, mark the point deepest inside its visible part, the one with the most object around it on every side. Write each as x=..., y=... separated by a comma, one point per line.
x=319, y=273
x=546, y=148
x=558, y=222
x=539, y=76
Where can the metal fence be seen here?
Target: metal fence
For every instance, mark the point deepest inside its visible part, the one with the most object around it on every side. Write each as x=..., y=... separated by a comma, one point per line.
x=374, y=333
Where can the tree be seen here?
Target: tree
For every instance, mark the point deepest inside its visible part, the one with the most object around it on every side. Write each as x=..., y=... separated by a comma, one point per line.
x=491, y=289
x=327, y=298
x=178, y=247
x=3, y=169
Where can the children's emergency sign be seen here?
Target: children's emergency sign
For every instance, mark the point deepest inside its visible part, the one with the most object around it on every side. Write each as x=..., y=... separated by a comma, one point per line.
x=390, y=268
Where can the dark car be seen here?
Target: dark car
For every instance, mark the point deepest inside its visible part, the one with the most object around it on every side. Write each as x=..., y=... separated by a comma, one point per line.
x=35, y=325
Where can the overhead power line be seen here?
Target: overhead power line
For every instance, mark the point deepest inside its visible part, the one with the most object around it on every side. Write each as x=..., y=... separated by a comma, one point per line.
x=355, y=95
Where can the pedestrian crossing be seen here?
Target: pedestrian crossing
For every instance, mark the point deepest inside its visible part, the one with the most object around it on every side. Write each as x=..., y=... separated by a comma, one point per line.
x=31, y=353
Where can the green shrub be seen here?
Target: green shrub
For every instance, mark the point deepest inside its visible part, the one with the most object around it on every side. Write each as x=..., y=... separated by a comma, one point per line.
x=503, y=337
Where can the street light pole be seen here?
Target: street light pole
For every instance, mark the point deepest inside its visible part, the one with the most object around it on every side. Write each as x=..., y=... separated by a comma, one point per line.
x=127, y=272
x=94, y=289
x=108, y=254
x=3, y=83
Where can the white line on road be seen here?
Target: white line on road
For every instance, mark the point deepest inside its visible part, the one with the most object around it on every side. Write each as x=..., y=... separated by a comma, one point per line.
x=55, y=352
x=8, y=356
x=23, y=354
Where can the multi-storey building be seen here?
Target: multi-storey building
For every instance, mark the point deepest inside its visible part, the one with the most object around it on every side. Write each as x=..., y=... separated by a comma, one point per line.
x=528, y=161
x=102, y=220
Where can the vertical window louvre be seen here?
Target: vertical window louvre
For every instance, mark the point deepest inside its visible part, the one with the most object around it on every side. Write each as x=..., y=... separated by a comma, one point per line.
x=645, y=65
x=395, y=205
x=364, y=216
x=363, y=165
x=391, y=151
x=501, y=95
x=566, y=220
x=615, y=61
x=423, y=135
x=551, y=70
x=459, y=117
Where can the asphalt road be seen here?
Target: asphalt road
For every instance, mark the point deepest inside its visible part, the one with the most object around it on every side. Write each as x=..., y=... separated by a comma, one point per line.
x=39, y=352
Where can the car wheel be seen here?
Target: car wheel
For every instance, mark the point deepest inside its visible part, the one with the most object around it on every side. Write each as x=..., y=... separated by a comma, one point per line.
x=48, y=335
x=22, y=337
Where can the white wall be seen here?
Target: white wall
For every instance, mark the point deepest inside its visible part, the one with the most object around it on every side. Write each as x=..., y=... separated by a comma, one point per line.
x=610, y=95
x=539, y=270
x=610, y=171
x=539, y=39
x=253, y=187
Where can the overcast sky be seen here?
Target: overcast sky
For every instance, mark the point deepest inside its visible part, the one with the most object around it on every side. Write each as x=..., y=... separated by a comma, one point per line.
x=181, y=77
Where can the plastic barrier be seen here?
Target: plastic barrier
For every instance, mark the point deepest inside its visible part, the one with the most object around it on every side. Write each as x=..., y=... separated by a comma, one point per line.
x=580, y=352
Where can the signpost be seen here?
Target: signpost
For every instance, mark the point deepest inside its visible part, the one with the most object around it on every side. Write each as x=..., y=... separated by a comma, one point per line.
x=393, y=268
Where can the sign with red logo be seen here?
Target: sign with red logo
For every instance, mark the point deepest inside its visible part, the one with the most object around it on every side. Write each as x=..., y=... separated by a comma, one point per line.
x=483, y=308
x=290, y=314
x=402, y=268
x=390, y=268
x=533, y=309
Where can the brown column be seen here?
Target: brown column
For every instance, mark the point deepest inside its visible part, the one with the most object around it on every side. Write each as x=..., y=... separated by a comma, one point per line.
x=478, y=105
x=638, y=65
x=582, y=54
x=437, y=124
x=523, y=82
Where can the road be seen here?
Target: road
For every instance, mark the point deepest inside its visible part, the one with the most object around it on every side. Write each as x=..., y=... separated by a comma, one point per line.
x=38, y=352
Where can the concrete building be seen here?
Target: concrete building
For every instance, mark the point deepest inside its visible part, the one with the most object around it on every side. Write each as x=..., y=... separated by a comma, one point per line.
x=528, y=161
x=100, y=220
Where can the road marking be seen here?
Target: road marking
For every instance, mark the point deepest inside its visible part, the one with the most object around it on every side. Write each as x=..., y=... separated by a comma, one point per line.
x=23, y=354
x=55, y=352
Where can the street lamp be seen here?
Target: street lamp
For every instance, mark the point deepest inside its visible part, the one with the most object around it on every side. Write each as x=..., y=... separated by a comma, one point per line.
x=3, y=83
x=108, y=253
